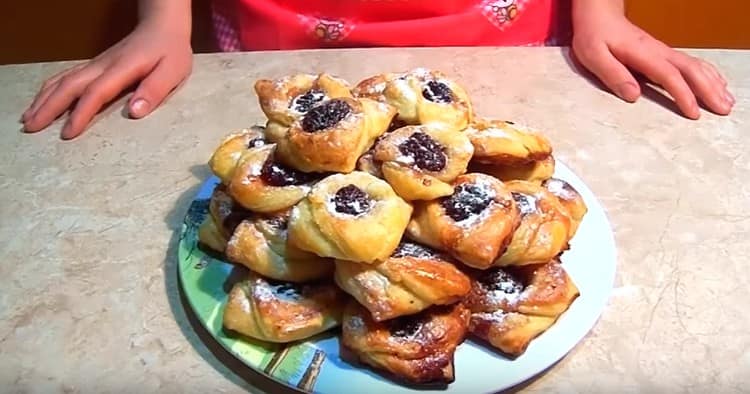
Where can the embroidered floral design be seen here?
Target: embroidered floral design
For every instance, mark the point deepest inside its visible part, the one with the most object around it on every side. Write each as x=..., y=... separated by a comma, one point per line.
x=326, y=30
x=502, y=13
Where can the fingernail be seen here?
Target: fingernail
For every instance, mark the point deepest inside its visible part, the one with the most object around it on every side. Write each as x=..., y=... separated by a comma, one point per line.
x=66, y=133
x=627, y=91
x=139, y=108
x=729, y=98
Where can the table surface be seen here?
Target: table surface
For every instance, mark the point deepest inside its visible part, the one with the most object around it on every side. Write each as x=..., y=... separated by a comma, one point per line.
x=90, y=299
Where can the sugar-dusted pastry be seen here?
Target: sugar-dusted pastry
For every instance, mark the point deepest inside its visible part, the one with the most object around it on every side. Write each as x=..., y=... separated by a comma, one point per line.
x=421, y=96
x=545, y=226
x=474, y=224
x=417, y=348
x=506, y=143
x=260, y=244
x=223, y=217
x=281, y=311
x=535, y=171
x=570, y=199
x=224, y=159
x=289, y=98
x=332, y=135
x=419, y=162
x=354, y=216
x=414, y=278
x=512, y=306
x=263, y=184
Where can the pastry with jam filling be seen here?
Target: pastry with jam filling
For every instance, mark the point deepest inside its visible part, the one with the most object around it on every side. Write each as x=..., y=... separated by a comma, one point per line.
x=545, y=226
x=223, y=217
x=535, y=171
x=417, y=348
x=421, y=96
x=332, y=135
x=420, y=162
x=224, y=159
x=412, y=279
x=506, y=143
x=512, y=306
x=355, y=217
x=570, y=199
x=282, y=312
x=260, y=244
x=474, y=224
x=286, y=100
x=261, y=183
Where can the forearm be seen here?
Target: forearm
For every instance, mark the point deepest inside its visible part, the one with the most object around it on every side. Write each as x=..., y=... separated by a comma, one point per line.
x=583, y=8
x=174, y=15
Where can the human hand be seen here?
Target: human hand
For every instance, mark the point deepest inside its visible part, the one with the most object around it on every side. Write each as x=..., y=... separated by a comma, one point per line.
x=609, y=46
x=158, y=57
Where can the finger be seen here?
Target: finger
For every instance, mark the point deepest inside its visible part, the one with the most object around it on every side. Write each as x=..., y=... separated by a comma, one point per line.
x=60, y=97
x=611, y=72
x=46, y=89
x=156, y=86
x=99, y=92
x=706, y=86
x=660, y=71
x=711, y=69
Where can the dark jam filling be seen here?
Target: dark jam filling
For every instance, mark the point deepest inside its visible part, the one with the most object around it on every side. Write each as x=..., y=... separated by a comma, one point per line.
x=285, y=289
x=467, y=200
x=304, y=102
x=351, y=200
x=499, y=280
x=275, y=174
x=234, y=219
x=405, y=326
x=278, y=222
x=437, y=92
x=326, y=115
x=526, y=203
x=427, y=153
x=409, y=249
x=256, y=143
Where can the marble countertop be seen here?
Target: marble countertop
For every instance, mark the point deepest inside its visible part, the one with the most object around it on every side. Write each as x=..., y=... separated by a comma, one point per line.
x=88, y=229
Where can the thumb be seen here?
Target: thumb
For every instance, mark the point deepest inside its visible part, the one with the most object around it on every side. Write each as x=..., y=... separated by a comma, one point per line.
x=153, y=89
x=613, y=74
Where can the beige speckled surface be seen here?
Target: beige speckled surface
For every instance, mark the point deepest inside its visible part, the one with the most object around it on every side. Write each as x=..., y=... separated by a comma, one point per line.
x=89, y=299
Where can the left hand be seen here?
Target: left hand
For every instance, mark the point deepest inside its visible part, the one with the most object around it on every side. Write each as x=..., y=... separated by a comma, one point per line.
x=608, y=45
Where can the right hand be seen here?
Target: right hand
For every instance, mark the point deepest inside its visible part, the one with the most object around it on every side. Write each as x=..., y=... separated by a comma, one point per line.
x=153, y=55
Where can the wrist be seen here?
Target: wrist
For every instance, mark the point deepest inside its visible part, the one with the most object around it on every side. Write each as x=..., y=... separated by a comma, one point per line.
x=585, y=9
x=171, y=17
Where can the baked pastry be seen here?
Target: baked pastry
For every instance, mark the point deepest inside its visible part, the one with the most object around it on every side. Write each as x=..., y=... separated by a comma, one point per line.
x=506, y=143
x=417, y=348
x=419, y=162
x=287, y=99
x=570, y=199
x=282, y=312
x=474, y=224
x=512, y=306
x=355, y=217
x=535, y=171
x=223, y=217
x=332, y=135
x=224, y=159
x=421, y=96
x=414, y=278
x=545, y=226
x=260, y=244
x=262, y=184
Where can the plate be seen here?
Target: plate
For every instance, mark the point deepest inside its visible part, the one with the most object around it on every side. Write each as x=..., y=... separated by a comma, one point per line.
x=314, y=365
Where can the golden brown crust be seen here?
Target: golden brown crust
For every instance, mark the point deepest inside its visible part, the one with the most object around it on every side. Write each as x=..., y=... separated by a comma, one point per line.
x=544, y=229
x=224, y=159
x=506, y=143
x=412, y=279
x=260, y=244
x=417, y=348
x=406, y=91
x=476, y=241
x=415, y=175
x=282, y=312
x=279, y=99
x=512, y=306
x=570, y=199
x=335, y=148
x=535, y=171
x=372, y=235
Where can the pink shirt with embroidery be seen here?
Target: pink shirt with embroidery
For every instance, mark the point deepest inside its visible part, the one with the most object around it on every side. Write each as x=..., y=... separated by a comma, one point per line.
x=299, y=24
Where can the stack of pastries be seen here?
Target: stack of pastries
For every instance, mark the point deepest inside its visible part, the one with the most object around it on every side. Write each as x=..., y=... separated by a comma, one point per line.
x=390, y=211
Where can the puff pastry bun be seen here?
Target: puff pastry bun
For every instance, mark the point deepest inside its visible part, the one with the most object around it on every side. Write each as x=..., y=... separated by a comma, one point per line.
x=224, y=216
x=512, y=306
x=570, y=199
x=224, y=159
x=536, y=171
x=282, y=312
x=355, y=217
x=414, y=278
x=474, y=224
x=416, y=348
x=503, y=142
x=421, y=96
